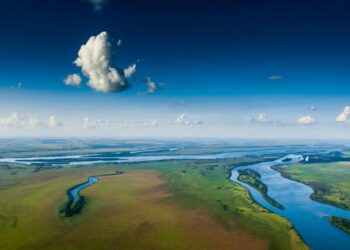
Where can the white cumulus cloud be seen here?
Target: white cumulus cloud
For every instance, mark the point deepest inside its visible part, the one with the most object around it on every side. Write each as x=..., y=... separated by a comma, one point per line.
x=94, y=58
x=72, y=80
x=344, y=116
x=306, y=120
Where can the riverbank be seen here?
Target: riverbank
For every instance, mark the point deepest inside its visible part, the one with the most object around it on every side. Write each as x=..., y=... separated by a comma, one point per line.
x=329, y=181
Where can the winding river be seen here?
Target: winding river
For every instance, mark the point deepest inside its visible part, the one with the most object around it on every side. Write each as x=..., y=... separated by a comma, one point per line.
x=310, y=218
x=74, y=192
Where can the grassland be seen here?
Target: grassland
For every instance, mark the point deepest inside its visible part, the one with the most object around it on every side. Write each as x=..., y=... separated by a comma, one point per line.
x=158, y=205
x=342, y=223
x=252, y=178
x=330, y=181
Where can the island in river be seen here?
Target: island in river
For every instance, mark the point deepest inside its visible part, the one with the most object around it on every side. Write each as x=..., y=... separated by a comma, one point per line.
x=342, y=223
x=252, y=178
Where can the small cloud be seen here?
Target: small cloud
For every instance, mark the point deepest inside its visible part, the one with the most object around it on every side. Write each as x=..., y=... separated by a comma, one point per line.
x=129, y=71
x=72, y=80
x=53, y=122
x=97, y=4
x=88, y=124
x=99, y=123
x=263, y=119
x=94, y=59
x=344, y=116
x=260, y=118
x=306, y=120
x=151, y=86
x=182, y=119
x=313, y=108
x=138, y=124
x=275, y=77
x=198, y=122
x=33, y=122
x=16, y=120
x=120, y=43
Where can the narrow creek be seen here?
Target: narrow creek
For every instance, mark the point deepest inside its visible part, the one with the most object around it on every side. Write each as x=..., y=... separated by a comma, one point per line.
x=75, y=201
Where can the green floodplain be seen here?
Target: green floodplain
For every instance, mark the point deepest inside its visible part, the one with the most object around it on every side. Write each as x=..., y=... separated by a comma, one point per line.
x=329, y=180
x=174, y=204
x=187, y=204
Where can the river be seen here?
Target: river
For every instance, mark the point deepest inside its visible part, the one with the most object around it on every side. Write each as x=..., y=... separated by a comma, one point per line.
x=310, y=218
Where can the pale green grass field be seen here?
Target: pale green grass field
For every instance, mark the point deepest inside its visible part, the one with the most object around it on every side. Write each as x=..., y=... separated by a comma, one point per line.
x=159, y=205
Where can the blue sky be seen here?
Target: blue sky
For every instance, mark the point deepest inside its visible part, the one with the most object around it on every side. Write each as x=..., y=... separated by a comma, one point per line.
x=228, y=68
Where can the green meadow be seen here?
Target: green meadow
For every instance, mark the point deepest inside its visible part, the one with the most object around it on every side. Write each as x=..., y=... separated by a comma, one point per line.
x=156, y=205
x=330, y=181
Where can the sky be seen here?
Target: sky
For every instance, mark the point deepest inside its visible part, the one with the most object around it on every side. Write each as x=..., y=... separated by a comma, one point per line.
x=177, y=68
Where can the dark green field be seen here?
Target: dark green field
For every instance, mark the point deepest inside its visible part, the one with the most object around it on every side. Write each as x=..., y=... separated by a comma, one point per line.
x=342, y=223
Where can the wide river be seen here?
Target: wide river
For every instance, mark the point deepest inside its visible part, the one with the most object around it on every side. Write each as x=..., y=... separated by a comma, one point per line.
x=310, y=218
